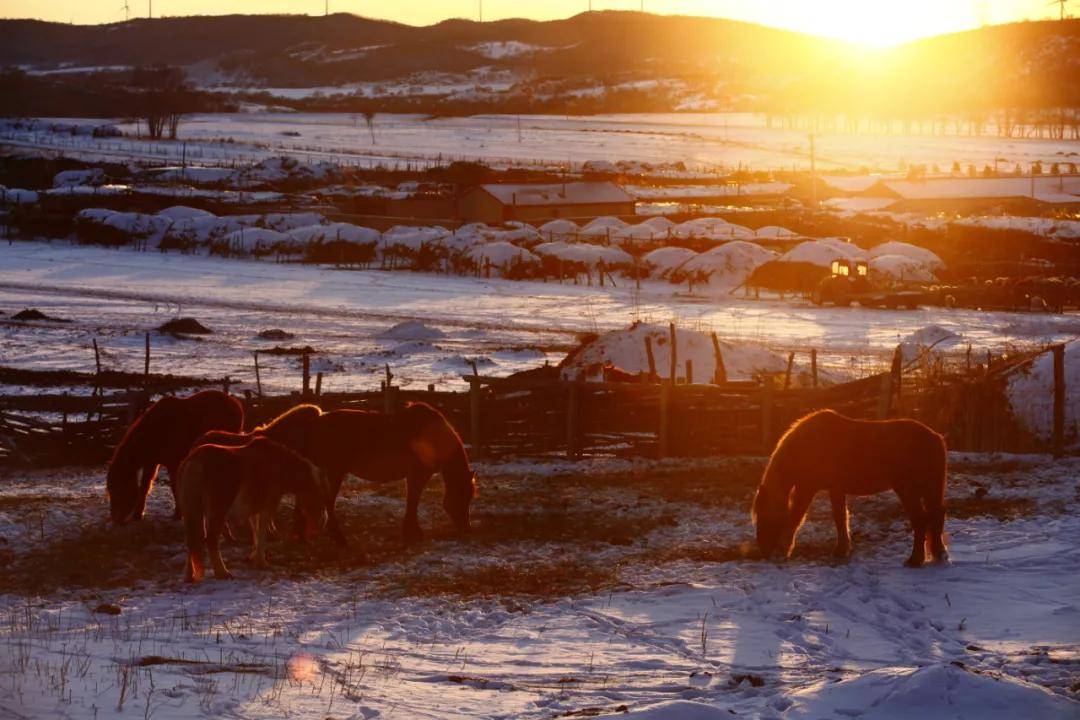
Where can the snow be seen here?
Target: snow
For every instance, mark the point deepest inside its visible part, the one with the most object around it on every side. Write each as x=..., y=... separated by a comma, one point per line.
x=502, y=49
x=339, y=231
x=591, y=255
x=855, y=205
x=1047, y=227
x=558, y=228
x=625, y=349
x=901, y=267
x=412, y=330
x=992, y=635
x=711, y=228
x=1052, y=190
x=822, y=252
x=568, y=193
x=729, y=265
x=932, y=338
x=182, y=212
x=662, y=261
x=920, y=255
x=774, y=231
x=1031, y=394
x=256, y=240
x=500, y=254
x=91, y=176
x=936, y=691
x=17, y=196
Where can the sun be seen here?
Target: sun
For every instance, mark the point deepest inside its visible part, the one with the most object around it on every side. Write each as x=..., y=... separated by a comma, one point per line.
x=874, y=23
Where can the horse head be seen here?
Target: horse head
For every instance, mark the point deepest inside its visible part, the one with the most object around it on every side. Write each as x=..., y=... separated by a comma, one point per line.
x=460, y=490
x=313, y=505
x=122, y=488
x=772, y=521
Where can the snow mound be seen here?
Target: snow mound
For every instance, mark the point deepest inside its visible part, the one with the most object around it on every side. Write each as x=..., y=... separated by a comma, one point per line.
x=583, y=253
x=625, y=349
x=500, y=254
x=183, y=212
x=1031, y=394
x=823, y=252
x=711, y=229
x=920, y=254
x=678, y=710
x=901, y=267
x=17, y=196
x=938, y=692
x=90, y=176
x=660, y=224
x=663, y=260
x=730, y=264
x=603, y=227
x=926, y=338
x=559, y=228
x=774, y=231
x=412, y=330
x=256, y=240
x=342, y=232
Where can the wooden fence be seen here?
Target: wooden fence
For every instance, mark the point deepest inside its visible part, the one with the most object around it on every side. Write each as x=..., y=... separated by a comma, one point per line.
x=500, y=417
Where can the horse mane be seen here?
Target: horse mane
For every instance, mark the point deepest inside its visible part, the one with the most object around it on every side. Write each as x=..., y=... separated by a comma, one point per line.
x=294, y=414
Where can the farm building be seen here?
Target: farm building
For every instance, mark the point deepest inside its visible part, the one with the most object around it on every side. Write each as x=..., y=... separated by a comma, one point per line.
x=503, y=202
x=965, y=194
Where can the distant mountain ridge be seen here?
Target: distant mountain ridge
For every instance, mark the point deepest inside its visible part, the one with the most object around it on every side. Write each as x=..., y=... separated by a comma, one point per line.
x=714, y=62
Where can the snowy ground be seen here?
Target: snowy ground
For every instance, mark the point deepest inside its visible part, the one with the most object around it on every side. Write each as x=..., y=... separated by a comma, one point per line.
x=116, y=296
x=585, y=589
x=712, y=140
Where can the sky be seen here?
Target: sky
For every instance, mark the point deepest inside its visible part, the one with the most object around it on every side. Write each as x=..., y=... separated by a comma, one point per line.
x=873, y=22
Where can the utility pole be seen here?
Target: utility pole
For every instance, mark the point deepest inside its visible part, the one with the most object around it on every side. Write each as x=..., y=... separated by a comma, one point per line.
x=480, y=9
x=150, y=12
x=813, y=174
x=326, y=9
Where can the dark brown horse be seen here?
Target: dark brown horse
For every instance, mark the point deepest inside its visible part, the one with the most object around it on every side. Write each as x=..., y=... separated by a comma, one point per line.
x=248, y=480
x=290, y=428
x=830, y=452
x=163, y=435
x=414, y=444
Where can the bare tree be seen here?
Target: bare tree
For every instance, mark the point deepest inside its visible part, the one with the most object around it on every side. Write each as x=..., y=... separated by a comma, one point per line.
x=163, y=98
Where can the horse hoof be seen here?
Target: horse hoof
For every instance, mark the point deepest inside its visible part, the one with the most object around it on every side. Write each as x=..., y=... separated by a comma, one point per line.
x=914, y=562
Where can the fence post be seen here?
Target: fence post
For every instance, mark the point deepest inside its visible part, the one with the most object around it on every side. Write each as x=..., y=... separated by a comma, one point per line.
x=689, y=372
x=1059, y=400
x=306, y=366
x=146, y=361
x=649, y=356
x=474, y=416
x=573, y=405
x=674, y=352
x=318, y=384
x=767, y=413
x=258, y=379
x=787, y=373
x=885, y=397
x=720, y=374
x=897, y=370
x=663, y=436
x=813, y=366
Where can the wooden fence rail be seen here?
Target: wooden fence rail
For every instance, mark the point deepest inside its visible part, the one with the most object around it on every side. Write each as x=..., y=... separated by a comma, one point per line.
x=542, y=416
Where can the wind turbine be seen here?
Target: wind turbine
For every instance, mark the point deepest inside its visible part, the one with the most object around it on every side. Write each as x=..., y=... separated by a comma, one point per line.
x=127, y=11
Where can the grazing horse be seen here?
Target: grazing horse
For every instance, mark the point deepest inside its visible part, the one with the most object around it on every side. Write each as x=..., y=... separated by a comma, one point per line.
x=163, y=435
x=290, y=428
x=840, y=455
x=414, y=443
x=250, y=480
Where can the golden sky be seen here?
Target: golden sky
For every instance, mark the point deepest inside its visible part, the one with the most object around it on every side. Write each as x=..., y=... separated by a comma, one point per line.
x=874, y=22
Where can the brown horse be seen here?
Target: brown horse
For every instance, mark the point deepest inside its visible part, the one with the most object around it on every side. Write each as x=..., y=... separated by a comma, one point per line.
x=290, y=428
x=163, y=435
x=414, y=444
x=830, y=452
x=250, y=480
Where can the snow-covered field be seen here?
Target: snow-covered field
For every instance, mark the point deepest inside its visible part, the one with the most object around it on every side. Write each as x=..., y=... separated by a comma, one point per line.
x=591, y=588
x=729, y=140
x=117, y=295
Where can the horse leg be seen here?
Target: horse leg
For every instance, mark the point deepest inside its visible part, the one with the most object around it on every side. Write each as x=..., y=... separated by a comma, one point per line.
x=800, y=505
x=214, y=526
x=332, y=527
x=146, y=481
x=194, y=571
x=415, y=484
x=840, y=517
x=935, y=520
x=917, y=516
x=174, y=484
x=260, y=526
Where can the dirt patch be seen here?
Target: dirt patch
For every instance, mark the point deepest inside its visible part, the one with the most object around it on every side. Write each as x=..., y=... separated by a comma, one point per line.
x=275, y=334
x=184, y=326
x=35, y=314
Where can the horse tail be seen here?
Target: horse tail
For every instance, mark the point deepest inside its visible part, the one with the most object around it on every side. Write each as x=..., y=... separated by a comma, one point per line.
x=193, y=509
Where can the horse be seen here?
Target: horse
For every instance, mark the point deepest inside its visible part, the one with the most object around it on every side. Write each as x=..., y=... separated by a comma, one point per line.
x=290, y=428
x=843, y=456
x=250, y=480
x=413, y=443
x=163, y=435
